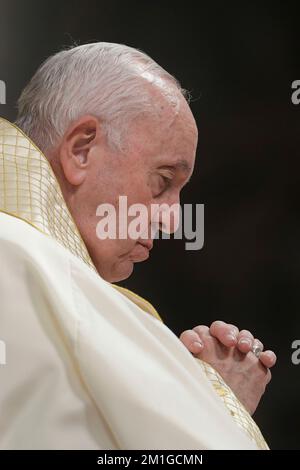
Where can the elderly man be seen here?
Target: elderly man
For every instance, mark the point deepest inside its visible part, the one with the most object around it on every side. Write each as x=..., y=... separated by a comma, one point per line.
x=91, y=365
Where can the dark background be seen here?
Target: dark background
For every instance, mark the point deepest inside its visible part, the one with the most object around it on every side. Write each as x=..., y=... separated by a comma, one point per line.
x=239, y=62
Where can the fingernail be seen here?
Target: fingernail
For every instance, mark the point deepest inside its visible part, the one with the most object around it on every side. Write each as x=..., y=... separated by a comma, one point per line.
x=231, y=337
x=245, y=341
x=271, y=355
x=198, y=344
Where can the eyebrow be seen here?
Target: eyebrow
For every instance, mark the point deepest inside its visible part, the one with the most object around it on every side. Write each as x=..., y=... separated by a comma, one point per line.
x=180, y=165
x=183, y=165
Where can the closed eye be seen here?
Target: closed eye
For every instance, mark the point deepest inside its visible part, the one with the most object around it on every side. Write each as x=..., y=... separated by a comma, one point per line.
x=163, y=184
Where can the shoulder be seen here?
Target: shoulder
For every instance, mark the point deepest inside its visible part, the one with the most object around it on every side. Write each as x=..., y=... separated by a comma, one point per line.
x=35, y=275
x=17, y=231
x=21, y=244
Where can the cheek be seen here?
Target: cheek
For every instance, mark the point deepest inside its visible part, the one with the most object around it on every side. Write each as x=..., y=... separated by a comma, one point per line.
x=139, y=192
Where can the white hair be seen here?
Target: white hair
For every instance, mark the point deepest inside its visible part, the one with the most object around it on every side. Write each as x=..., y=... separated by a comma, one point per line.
x=103, y=79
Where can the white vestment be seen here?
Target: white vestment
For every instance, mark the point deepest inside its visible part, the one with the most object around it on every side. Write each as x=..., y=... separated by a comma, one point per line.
x=90, y=365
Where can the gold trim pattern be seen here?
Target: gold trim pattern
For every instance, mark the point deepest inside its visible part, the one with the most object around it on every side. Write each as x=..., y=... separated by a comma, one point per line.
x=234, y=406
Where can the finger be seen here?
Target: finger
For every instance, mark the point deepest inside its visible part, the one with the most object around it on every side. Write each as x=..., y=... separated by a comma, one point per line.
x=192, y=341
x=257, y=347
x=201, y=330
x=268, y=359
x=245, y=341
x=257, y=343
x=227, y=334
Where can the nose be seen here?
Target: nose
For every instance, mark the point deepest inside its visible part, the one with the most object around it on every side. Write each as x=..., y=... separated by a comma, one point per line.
x=166, y=218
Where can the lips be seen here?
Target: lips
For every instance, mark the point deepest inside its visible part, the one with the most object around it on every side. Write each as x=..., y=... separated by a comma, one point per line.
x=146, y=243
x=140, y=252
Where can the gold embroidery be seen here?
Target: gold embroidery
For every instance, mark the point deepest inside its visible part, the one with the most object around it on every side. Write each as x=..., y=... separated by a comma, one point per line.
x=30, y=191
x=234, y=406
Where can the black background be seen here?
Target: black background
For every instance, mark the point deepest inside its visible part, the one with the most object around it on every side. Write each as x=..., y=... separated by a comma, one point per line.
x=239, y=61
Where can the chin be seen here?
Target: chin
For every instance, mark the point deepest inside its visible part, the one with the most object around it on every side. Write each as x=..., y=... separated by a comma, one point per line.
x=120, y=272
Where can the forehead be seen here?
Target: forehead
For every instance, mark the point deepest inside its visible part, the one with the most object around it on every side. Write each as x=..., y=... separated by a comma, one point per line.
x=177, y=138
x=166, y=136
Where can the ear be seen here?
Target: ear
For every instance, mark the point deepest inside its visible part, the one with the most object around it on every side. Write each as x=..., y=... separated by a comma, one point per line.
x=75, y=149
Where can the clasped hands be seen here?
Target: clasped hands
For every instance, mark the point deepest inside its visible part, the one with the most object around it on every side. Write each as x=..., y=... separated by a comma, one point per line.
x=236, y=356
